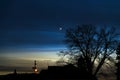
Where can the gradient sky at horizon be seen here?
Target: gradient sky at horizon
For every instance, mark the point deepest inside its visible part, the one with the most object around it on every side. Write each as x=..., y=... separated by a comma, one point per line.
x=29, y=29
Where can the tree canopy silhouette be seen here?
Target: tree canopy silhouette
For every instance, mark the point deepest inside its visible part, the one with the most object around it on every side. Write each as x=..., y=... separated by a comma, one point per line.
x=89, y=46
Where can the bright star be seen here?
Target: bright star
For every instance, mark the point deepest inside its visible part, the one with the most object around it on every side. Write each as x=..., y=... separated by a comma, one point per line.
x=60, y=28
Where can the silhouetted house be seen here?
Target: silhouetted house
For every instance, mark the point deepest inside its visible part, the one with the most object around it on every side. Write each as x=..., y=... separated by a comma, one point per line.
x=63, y=72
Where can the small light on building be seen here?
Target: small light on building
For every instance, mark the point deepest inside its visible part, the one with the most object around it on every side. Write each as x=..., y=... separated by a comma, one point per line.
x=35, y=70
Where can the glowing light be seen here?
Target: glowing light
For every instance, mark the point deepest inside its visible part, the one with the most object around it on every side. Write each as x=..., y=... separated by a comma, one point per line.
x=36, y=70
x=60, y=28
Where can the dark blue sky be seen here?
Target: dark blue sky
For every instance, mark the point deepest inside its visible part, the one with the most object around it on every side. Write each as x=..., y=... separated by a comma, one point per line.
x=29, y=29
x=35, y=23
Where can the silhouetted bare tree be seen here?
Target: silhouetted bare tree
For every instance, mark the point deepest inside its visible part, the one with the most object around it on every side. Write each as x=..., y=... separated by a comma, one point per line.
x=118, y=62
x=93, y=44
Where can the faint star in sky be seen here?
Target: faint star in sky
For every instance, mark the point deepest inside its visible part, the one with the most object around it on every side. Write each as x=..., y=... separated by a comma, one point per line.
x=60, y=28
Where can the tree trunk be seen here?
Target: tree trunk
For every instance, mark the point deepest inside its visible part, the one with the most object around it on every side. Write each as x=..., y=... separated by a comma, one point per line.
x=100, y=65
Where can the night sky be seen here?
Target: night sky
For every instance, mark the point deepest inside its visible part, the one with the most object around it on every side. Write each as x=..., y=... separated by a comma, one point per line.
x=34, y=29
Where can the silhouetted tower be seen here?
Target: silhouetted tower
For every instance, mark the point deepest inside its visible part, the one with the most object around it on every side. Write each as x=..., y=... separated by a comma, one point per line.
x=15, y=72
x=35, y=70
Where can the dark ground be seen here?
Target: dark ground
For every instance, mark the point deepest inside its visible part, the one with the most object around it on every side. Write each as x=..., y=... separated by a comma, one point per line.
x=68, y=72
